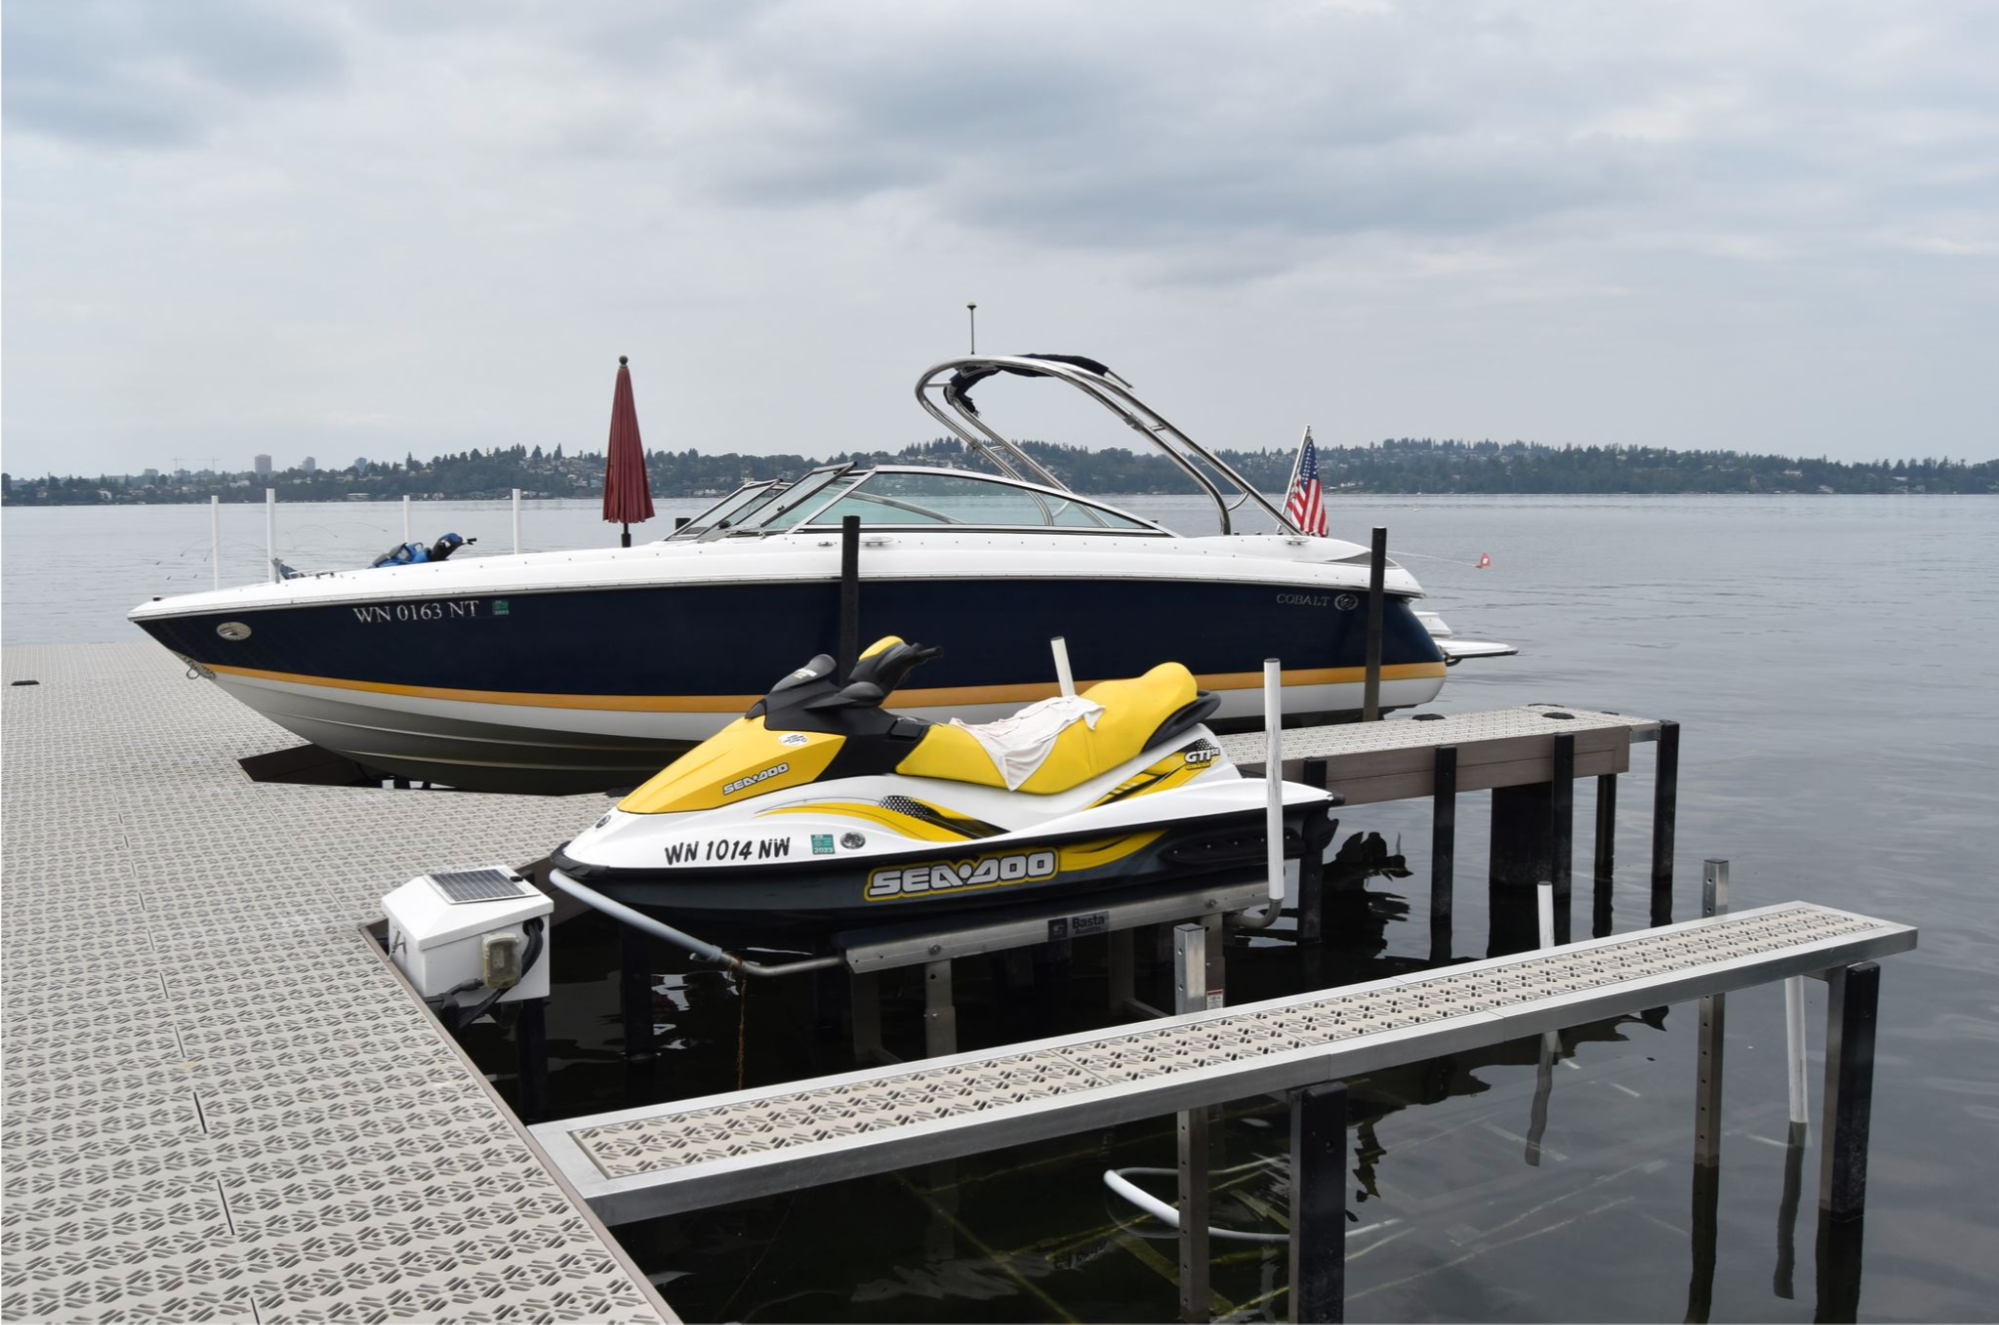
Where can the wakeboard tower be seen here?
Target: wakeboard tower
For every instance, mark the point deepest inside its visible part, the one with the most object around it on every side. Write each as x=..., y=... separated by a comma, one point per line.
x=819, y=808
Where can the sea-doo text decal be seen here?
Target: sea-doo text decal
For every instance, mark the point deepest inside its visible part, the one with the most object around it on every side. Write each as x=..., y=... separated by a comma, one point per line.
x=960, y=875
x=731, y=788
x=728, y=848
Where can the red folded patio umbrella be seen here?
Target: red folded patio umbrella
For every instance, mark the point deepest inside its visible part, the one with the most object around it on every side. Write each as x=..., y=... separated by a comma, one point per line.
x=627, y=493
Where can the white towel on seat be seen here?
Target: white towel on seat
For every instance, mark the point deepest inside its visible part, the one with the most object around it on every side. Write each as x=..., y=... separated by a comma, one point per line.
x=1020, y=744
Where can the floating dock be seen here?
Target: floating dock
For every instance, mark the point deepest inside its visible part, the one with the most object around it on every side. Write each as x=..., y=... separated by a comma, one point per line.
x=222, y=1103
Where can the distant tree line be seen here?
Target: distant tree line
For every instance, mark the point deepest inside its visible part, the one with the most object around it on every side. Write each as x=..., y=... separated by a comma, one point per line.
x=1399, y=465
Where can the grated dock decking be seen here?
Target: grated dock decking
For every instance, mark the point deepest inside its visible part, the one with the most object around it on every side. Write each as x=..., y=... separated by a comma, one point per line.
x=219, y=1103
x=659, y=1159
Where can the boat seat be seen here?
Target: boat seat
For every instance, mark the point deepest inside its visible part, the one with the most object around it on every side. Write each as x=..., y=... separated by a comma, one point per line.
x=1133, y=711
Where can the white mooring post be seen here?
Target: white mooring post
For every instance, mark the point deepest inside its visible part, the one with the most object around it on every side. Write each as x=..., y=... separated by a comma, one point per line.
x=215, y=540
x=1794, y=1045
x=517, y=521
x=271, y=532
x=1065, y=679
x=1273, y=768
x=406, y=517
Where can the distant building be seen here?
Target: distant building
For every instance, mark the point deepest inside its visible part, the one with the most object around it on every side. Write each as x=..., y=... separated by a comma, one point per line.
x=262, y=464
x=152, y=475
x=360, y=464
x=309, y=465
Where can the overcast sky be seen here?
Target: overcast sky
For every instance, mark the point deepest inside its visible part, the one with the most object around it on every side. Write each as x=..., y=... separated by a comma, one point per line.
x=347, y=229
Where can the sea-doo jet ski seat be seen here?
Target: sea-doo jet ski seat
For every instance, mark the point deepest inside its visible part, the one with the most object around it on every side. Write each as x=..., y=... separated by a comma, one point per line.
x=1134, y=712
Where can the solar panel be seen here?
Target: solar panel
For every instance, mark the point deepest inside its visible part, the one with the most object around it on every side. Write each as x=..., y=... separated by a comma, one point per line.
x=478, y=885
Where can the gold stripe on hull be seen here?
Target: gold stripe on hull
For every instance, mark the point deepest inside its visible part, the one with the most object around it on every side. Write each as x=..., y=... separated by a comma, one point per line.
x=918, y=697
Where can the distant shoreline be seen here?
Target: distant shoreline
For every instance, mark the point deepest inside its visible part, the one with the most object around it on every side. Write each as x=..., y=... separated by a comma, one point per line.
x=1396, y=467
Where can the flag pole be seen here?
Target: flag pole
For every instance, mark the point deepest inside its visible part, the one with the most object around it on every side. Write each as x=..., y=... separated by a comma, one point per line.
x=1297, y=461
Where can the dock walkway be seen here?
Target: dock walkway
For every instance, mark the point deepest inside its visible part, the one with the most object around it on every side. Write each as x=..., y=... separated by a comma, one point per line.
x=661, y=1159
x=220, y=1104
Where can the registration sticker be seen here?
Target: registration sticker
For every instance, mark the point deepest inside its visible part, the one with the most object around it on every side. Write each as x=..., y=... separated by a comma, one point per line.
x=822, y=844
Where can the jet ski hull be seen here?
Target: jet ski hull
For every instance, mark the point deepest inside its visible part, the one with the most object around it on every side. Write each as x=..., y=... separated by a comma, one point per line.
x=937, y=881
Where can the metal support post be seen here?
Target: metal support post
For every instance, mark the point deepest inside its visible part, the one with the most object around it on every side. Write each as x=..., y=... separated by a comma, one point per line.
x=1665, y=812
x=1562, y=829
x=1520, y=860
x=517, y=521
x=868, y=1047
x=531, y=1042
x=1190, y=994
x=1123, y=970
x=940, y=1016
x=1606, y=854
x=1377, y=580
x=1310, y=926
x=406, y=517
x=850, y=594
x=1443, y=849
x=271, y=533
x=215, y=542
x=1319, y=1202
x=635, y=993
x=1852, y=993
x=1713, y=1024
x=1794, y=1051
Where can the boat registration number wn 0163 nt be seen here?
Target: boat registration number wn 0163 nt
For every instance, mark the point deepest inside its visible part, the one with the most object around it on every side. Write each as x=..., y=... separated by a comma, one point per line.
x=370, y=614
x=960, y=875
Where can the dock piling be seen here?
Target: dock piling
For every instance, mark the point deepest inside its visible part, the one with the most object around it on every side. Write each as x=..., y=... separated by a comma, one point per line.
x=1665, y=813
x=1377, y=582
x=517, y=521
x=1319, y=1202
x=1562, y=829
x=1605, y=865
x=1852, y=995
x=1311, y=922
x=271, y=533
x=531, y=1043
x=215, y=541
x=1190, y=994
x=1443, y=849
x=1713, y=1025
x=635, y=993
x=850, y=594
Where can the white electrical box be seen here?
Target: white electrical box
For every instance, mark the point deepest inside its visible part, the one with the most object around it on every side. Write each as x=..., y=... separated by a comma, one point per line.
x=455, y=926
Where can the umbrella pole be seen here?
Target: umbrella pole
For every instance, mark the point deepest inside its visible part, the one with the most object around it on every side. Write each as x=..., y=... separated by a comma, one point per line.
x=625, y=539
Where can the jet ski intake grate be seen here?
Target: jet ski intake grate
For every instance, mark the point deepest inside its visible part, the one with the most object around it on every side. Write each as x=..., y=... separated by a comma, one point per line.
x=478, y=885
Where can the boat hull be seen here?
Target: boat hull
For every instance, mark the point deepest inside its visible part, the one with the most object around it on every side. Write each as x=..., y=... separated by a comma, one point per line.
x=562, y=691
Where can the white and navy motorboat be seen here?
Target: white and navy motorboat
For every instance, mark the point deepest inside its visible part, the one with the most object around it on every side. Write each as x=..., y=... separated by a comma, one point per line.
x=569, y=671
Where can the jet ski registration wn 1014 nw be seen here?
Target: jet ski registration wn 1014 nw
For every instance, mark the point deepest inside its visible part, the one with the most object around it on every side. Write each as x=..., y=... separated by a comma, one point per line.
x=821, y=808
x=588, y=670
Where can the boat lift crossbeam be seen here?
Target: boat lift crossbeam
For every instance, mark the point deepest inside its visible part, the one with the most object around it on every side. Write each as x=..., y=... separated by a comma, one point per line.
x=1108, y=390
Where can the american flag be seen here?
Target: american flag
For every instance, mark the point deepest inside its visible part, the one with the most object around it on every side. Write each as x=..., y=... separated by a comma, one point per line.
x=1306, y=503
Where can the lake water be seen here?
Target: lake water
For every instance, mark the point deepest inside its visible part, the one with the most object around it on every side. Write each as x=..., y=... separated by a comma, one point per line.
x=1832, y=661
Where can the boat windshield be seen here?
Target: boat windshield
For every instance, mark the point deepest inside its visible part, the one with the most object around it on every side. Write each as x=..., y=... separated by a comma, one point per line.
x=730, y=509
x=785, y=510
x=929, y=498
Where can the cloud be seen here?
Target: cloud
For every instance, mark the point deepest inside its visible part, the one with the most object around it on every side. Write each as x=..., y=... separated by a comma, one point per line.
x=131, y=73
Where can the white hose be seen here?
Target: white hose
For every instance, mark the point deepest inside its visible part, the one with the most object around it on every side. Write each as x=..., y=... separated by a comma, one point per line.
x=1116, y=1180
